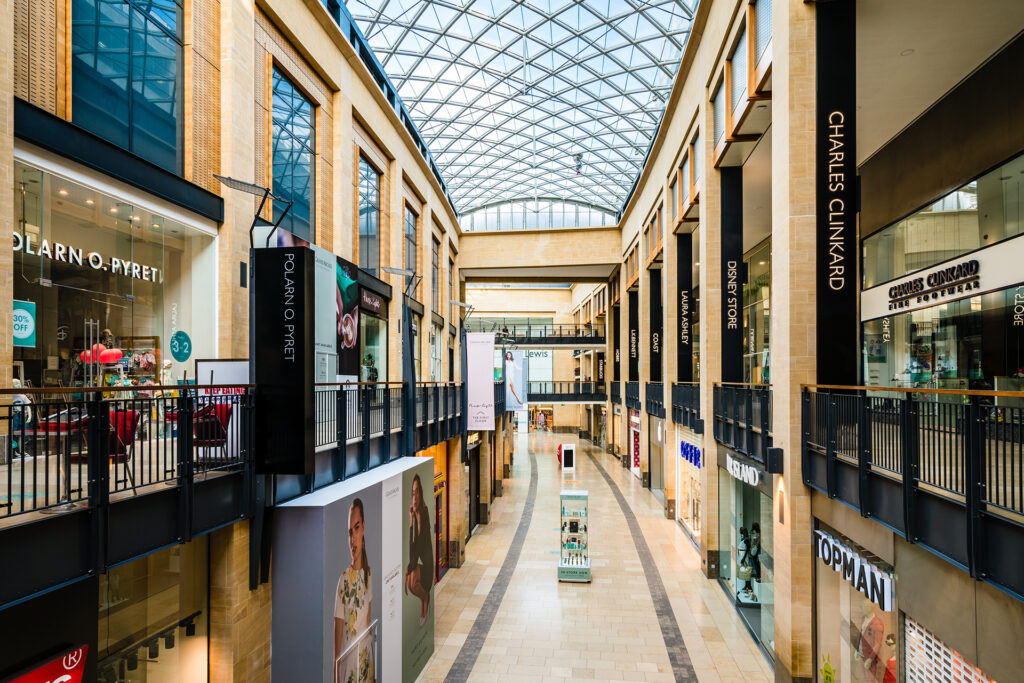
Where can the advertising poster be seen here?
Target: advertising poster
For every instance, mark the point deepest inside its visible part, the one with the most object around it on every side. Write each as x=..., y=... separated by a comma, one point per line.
x=418, y=568
x=480, y=361
x=354, y=580
x=24, y=323
x=346, y=298
x=515, y=375
x=325, y=315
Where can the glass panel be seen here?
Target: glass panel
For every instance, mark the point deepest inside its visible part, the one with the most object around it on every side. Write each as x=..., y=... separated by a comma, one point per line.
x=738, y=60
x=686, y=180
x=410, y=244
x=763, y=19
x=757, y=318
x=718, y=106
x=435, y=277
x=369, y=218
x=698, y=154
x=156, y=107
x=982, y=212
x=373, y=342
x=293, y=139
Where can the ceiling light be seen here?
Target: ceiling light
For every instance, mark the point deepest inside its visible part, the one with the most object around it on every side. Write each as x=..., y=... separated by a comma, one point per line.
x=62, y=192
x=113, y=209
x=760, y=263
x=156, y=225
x=906, y=53
x=89, y=202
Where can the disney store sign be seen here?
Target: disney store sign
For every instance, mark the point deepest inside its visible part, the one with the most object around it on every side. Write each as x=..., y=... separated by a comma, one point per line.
x=65, y=253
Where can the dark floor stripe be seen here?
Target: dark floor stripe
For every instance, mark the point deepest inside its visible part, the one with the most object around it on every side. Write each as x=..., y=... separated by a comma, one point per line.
x=470, y=650
x=682, y=668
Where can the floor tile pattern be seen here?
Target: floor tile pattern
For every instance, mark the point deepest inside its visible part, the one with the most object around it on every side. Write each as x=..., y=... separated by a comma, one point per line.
x=478, y=634
x=677, y=654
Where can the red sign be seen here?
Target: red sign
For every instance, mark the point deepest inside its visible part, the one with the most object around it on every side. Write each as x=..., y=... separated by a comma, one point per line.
x=68, y=667
x=636, y=449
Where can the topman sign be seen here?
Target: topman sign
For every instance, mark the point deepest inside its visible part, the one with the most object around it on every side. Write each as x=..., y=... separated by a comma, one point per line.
x=859, y=572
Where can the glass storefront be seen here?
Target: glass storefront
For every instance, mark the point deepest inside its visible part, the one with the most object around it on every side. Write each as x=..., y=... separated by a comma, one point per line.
x=857, y=639
x=757, y=316
x=436, y=339
x=373, y=342
x=656, y=455
x=92, y=269
x=689, y=461
x=745, y=537
x=950, y=278
x=154, y=616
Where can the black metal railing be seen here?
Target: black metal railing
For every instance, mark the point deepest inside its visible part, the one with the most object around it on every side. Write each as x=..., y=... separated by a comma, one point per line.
x=943, y=468
x=499, y=398
x=654, y=399
x=633, y=395
x=686, y=406
x=743, y=418
x=559, y=335
x=615, y=392
x=73, y=449
x=544, y=392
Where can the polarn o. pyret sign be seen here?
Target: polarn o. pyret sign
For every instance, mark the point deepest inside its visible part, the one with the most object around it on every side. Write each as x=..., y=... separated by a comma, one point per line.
x=283, y=320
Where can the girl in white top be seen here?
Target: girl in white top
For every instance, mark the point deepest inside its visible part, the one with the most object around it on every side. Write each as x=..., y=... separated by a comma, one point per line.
x=353, y=608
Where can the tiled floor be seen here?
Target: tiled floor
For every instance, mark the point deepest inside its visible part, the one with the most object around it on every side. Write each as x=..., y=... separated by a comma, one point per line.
x=544, y=630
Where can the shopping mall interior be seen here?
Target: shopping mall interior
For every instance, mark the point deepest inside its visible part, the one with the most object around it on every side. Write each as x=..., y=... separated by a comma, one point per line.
x=337, y=328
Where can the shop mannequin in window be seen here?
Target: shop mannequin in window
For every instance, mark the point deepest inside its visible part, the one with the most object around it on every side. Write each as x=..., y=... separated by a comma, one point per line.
x=755, y=550
x=744, y=570
x=874, y=651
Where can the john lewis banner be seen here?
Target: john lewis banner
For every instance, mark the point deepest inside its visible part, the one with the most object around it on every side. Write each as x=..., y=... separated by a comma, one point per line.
x=480, y=380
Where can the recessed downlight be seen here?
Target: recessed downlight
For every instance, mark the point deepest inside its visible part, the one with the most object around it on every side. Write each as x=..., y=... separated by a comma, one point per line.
x=89, y=202
x=62, y=192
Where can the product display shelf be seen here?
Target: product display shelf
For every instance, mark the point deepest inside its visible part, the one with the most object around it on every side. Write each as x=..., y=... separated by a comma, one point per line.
x=574, y=531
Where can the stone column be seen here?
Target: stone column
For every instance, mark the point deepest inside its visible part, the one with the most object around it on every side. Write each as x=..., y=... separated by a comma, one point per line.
x=792, y=325
x=710, y=279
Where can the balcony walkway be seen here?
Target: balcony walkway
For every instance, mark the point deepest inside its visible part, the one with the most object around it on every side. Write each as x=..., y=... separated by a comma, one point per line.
x=541, y=629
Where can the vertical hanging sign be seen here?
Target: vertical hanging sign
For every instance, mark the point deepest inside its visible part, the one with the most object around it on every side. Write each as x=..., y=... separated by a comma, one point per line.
x=836, y=170
x=480, y=385
x=732, y=273
x=616, y=345
x=657, y=329
x=684, y=283
x=634, y=336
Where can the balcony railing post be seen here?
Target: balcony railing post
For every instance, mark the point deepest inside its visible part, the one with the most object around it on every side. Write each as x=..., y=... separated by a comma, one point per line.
x=909, y=437
x=975, y=434
x=387, y=421
x=186, y=463
x=98, y=470
x=830, y=444
x=864, y=435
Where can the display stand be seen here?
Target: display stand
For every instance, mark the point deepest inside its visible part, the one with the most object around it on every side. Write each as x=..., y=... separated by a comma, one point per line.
x=574, y=558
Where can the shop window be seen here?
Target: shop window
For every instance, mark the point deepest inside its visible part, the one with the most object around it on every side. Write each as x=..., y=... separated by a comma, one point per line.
x=757, y=317
x=369, y=218
x=93, y=269
x=451, y=291
x=971, y=343
x=718, y=113
x=763, y=27
x=411, y=219
x=684, y=179
x=154, y=616
x=738, y=73
x=293, y=139
x=857, y=639
x=436, y=339
x=697, y=156
x=373, y=341
x=746, y=563
x=126, y=76
x=986, y=210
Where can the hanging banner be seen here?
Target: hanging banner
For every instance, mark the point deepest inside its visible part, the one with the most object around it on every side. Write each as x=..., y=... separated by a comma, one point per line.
x=836, y=185
x=656, y=319
x=516, y=372
x=480, y=380
x=616, y=345
x=634, y=337
x=732, y=273
x=684, y=284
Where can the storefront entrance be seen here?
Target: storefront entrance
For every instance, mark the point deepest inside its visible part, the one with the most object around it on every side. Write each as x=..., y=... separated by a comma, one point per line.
x=634, y=444
x=745, y=534
x=688, y=461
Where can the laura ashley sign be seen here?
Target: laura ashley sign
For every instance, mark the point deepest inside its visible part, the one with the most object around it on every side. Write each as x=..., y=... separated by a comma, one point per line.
x=860, y=573
x=992, y=268
x=65, y=253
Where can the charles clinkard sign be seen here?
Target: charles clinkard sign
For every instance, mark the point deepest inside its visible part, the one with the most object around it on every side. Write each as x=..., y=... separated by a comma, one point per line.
x=992, y=268
x=875, y=584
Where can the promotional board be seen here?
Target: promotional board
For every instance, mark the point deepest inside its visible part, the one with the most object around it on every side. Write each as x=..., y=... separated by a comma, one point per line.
x=516, y=372
x=353, y=567
x=346, y=297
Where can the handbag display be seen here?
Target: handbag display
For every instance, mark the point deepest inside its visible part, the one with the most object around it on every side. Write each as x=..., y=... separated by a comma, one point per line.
x=744, y=572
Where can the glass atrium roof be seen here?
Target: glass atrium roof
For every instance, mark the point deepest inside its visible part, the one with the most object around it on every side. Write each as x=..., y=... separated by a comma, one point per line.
x=543, y=98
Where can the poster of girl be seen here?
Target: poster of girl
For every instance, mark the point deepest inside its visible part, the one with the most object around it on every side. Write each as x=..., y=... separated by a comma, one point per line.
x=353, y=607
